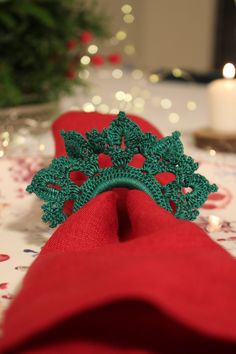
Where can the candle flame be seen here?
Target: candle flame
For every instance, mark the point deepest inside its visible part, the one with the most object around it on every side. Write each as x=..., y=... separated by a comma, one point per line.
x=229, y=71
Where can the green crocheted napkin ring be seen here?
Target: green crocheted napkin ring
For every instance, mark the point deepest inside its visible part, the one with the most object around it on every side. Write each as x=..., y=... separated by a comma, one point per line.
x=121, y=141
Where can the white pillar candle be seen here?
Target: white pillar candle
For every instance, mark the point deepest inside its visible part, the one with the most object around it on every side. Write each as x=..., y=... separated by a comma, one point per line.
x=222, y=101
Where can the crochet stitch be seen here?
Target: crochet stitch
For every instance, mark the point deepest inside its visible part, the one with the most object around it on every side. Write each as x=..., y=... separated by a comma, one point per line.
x=121, y=141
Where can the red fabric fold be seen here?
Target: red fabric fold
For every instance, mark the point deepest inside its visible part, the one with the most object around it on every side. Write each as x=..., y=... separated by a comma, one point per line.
x=123, y=275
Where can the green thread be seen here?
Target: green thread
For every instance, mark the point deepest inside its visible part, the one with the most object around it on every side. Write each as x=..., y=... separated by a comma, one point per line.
x=122, y=140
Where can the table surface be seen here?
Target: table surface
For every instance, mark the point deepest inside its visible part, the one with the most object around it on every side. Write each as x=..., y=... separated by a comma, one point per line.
x=169, y=106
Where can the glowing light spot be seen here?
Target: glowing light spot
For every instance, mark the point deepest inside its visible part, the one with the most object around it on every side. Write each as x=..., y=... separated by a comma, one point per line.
x=117, y=73
x=137, y=74
x=191, y=105
x=84, y=74
x=41, y=147
x=120, y=95
x=129, y=49
x=5, y=143
x=173, y=118
x=85, y=60
x=229, y=71
x=92, y=49
x=1, y=153
x=128, y=18
x=215, y=223
x=126, y=8
x=128, y=97
x=96, y=99
x=166, y=103
x=154, y=78
x=212, y=152
x=177, y=72
x=121, y=35
x=88, y=107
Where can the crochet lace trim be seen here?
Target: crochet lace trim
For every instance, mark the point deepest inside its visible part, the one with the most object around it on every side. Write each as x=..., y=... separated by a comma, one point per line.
x=121, y=141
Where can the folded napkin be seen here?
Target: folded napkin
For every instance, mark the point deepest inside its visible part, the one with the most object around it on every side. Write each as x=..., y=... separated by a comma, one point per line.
x=123, y=275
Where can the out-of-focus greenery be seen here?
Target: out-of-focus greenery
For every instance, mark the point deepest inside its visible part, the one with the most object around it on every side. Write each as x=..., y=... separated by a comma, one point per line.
x=36, y=61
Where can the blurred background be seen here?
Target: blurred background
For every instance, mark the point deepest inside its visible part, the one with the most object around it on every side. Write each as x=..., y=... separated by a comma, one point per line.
x=195, y=34
x=108, y=55
x=167, y=33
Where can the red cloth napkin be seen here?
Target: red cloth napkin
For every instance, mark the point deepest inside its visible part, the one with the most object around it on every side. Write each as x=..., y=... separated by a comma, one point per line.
x=123, y=275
